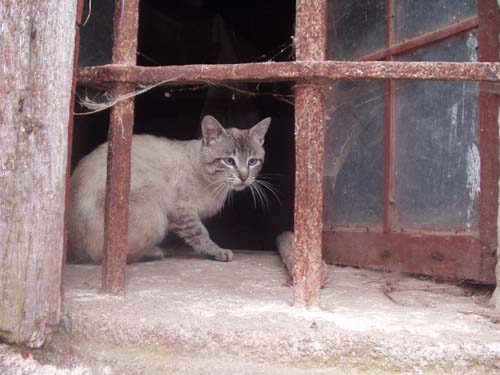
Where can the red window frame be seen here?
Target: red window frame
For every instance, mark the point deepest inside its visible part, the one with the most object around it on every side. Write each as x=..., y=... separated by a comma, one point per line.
x=457, y=254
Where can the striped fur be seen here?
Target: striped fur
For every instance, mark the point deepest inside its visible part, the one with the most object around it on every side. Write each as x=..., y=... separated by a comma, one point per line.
x=174, y=185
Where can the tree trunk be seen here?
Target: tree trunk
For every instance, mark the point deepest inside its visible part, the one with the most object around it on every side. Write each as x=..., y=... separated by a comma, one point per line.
x=36, y=68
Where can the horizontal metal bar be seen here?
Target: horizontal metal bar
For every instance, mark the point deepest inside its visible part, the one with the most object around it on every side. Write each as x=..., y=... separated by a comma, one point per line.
x=289, y=71
x=422, y=40
x=437, y=255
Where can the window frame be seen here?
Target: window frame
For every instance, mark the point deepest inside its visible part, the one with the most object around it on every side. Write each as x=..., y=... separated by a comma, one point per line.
x=457, y=253
x=309, y=72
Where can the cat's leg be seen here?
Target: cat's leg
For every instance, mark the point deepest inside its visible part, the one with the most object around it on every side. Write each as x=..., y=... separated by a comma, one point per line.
x=147, y=225
x=155, y=253
x=187, y=225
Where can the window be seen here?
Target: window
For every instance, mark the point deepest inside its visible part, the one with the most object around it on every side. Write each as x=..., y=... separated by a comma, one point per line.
x=395, y=196
x=407, y=163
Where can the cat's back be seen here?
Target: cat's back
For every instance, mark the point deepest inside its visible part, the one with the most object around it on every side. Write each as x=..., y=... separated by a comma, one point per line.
x=158, y=152
x=152, y=158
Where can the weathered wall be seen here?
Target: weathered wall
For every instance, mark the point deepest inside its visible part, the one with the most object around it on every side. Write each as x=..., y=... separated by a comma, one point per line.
x=36, y=63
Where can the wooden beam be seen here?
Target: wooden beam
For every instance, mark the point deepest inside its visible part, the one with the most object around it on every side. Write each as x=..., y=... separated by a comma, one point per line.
x=36, y=56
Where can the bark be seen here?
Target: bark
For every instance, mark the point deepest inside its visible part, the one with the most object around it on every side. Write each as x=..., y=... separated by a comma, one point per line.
x=36, y=68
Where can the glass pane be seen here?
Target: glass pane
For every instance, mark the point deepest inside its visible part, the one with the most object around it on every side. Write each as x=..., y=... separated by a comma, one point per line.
x=96, y=33
x=355, y=28
x=414, y=18
x=436, y=153
x=354, y=153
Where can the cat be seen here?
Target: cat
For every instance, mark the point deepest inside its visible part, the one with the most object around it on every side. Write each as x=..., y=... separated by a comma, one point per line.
x=174, y=186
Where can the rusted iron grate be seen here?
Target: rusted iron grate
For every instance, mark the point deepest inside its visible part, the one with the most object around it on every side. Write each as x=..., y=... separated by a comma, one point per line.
x=310, y=72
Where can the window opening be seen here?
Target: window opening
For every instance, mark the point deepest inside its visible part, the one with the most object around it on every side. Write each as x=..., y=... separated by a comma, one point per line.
x=309, y=124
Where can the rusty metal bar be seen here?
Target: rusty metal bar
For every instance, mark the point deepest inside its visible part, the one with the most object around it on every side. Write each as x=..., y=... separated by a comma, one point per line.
x=489, y=102
x=422, y=40
x=119, y=147
x=436, y=254
x=309, y=148
x=388, y=211
x=101, y=76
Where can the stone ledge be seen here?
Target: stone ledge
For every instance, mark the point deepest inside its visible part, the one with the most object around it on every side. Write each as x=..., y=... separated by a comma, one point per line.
x=236, y=318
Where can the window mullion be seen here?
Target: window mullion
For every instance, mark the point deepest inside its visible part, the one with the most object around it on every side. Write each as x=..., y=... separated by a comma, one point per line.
x=388, y=211
x=119, y=149
x=309, y=149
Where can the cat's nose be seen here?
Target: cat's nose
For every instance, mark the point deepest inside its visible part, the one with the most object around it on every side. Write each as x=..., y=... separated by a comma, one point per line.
x=243, y=175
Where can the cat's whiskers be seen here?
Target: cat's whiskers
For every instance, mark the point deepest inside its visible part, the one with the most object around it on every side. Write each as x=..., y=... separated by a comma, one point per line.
x=224, y=197
x=219, y=193
x=258, y=189
x=250, y=185
x=222, y=190
x=267, y=185
x=260, y=194
x=217, y=181
x=220, y=199
x=270, y=176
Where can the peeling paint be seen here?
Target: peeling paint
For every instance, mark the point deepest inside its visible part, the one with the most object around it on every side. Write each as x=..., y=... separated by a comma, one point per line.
x=473, y=169
x=472, y=44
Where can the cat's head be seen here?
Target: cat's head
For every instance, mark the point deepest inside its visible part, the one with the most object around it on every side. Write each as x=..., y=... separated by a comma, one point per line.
x=232, y=158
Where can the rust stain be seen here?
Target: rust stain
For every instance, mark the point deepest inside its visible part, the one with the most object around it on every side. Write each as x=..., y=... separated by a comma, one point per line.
x=309, y=148
x=119, y=147
x=310, y=30
x=443, y=256
x=299, y=71
x=489, y=102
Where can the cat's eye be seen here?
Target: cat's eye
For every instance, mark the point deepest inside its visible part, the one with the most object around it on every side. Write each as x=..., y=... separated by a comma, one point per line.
x=253, y=162
x=229, y=161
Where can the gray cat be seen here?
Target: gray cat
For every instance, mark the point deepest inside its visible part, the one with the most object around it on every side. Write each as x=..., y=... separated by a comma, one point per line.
x=174, y=185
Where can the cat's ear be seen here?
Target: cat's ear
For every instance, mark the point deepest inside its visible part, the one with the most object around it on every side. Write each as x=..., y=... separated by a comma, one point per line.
x=259, y=131
x=211, y=129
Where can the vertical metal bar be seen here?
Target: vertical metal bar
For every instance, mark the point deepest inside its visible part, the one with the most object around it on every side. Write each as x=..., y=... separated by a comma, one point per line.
x=489, y=50
x=119, y=148
x=310, y=121
x=389, y=200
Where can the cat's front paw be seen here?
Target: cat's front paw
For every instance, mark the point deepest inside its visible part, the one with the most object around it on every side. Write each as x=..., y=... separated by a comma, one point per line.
x=223, y=255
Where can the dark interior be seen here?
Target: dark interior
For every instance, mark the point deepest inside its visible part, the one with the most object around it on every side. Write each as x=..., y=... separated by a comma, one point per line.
x=209, y=32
